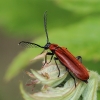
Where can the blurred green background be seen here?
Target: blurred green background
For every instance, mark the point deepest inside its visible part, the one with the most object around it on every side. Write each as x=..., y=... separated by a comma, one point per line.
x=71, y=23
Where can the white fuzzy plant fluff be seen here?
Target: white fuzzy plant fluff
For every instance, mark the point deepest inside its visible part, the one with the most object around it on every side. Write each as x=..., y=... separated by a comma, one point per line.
x=62, y=87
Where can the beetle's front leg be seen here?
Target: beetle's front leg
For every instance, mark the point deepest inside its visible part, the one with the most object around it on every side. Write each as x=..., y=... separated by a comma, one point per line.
x=48, y=53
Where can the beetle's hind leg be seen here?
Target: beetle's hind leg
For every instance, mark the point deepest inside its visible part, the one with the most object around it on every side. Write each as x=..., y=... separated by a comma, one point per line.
x=55, y=58
x=79, y=58
x=72, y=77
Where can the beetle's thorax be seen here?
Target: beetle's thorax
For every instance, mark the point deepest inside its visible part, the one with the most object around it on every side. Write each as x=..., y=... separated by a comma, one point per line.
x=53, y=47
x=50, y=46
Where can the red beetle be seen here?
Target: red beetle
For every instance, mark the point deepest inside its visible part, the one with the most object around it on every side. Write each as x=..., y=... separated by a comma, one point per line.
x=72, y=64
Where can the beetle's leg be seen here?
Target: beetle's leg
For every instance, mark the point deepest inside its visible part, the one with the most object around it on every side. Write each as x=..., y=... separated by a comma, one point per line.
x=45, y=59
x=79, y=58
x=48, y=53
x=72, y=77
x=55, y=58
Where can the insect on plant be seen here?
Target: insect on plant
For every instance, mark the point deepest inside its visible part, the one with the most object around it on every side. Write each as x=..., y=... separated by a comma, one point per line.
x=72, y=64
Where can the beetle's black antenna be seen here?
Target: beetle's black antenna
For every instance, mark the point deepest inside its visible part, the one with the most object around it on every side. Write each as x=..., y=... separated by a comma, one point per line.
x=29, y=44
x=45, y=25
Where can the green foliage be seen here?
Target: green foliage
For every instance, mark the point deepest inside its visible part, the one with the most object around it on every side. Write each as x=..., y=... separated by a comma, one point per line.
x=80, y=6
x=71, y=23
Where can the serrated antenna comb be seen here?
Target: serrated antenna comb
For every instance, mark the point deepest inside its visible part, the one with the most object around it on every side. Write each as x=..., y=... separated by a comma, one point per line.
x=29, y=44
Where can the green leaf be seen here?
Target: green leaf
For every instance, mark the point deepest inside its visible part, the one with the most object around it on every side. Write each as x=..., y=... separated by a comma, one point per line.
x=90, y=93
x=81, y=38
x=80, y=6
